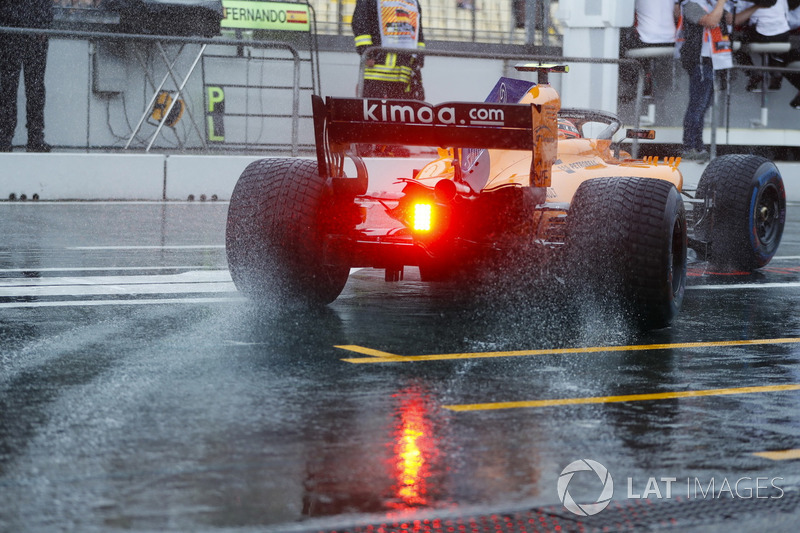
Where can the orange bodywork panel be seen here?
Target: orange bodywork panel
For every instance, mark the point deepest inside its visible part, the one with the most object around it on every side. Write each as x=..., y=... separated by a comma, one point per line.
x=583, y=159
x=559, y=164
x=578, y=160
x=545, y=132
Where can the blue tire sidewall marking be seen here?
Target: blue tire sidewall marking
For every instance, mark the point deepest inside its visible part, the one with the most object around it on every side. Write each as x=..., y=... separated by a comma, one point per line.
x=763, y=175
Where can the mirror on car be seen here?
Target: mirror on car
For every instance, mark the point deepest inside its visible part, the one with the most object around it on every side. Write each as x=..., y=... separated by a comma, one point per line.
x=640, y=134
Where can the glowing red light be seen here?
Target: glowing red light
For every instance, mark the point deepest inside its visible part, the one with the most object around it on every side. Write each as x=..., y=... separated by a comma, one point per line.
x=423, y=216
x=413, y=452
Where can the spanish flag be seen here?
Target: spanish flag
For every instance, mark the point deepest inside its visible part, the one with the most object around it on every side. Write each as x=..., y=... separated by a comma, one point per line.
x=297, y=17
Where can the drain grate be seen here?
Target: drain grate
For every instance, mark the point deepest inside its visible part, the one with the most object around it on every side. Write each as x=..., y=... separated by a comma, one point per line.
x=624, y=515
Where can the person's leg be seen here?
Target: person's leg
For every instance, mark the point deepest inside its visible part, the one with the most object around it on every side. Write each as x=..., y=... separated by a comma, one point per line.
x=784, y=60
x=628, y=74
x=701, y=87
x=10, y=67
x=396, y=90
x=794, y=78
x=792, y=57
x=34, y=64
x=383, y=89
x=776, y=60
x=741, y=56
x=372, y=89
x=707, y=98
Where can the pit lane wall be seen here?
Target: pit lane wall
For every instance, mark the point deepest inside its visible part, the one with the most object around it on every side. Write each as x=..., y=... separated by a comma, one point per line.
x=149, y=177
x=156, y=177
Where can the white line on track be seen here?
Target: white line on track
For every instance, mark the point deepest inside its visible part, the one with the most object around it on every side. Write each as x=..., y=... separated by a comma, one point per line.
x=214, y=281
x=731, y=287
x=116, y=290
x=198, y=276
x=94, y=303
x=44, y=203
x=103, y=269
x=191, y=282
x=155, y=247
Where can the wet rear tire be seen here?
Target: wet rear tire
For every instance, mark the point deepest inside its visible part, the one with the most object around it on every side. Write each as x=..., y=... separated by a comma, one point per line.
x=274, y=235
x=748, y=213
x=626, y=247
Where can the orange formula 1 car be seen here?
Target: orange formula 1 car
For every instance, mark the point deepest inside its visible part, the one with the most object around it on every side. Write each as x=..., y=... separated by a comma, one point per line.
x=522, y=185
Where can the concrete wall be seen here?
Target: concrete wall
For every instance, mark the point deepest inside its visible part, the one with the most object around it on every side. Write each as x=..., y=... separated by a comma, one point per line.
x=176, y=177
x=96, y=95
x=148, y=177
x=98, y=92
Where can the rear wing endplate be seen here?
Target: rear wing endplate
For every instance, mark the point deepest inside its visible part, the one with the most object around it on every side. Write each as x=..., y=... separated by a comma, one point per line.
x=339, y=122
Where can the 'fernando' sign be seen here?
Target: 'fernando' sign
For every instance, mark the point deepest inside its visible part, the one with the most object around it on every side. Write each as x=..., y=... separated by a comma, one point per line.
x=242, y=14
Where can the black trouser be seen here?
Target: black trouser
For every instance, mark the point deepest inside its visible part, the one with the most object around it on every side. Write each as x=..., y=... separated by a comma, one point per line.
x=628, y=73
x=26, y=53
x=742, y=57
x=384, y=89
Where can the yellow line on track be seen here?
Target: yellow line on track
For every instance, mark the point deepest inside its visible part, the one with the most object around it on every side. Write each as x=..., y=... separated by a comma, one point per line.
x=619, y=399
x=780, y=455
x=369, y=351
x=377, y=356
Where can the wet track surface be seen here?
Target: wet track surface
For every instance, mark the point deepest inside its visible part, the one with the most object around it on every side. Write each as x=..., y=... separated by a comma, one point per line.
x=139, y=391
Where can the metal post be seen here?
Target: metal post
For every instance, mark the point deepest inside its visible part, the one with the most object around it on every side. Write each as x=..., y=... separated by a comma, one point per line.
x=639, y=109
x=546, y=22
x=474, y=20
x=712, y=149
x=531, y=17
x=295, y=107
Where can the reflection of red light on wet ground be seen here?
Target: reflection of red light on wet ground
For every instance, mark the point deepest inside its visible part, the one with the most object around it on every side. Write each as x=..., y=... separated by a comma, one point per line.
x=781, y=270
x=700, y=272
x=412, y=453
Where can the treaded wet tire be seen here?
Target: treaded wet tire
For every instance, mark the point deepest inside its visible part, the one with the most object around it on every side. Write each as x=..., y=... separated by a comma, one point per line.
x=274, y=237
x=748, y=213
x=626, y=245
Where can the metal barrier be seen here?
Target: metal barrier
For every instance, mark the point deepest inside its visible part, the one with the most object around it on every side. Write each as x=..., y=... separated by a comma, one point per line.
x=159, y=41
x=487, y=21
x=636, y=64
x=484, y=21
x=295, y=115
x=761, y=122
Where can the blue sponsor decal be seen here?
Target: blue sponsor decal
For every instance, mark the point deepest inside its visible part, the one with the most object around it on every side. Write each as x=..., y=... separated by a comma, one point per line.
x=505, y=91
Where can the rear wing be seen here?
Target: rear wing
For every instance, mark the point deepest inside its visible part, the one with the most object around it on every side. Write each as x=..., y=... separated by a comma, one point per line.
x=339, y=122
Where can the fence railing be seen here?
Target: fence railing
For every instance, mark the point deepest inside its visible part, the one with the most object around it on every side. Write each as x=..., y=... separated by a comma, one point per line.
x=175, y=80
x=484, y=21
x=489, y=21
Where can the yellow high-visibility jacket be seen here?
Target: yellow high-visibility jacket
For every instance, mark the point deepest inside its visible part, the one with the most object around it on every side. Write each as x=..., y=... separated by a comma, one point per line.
x=367, y=30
